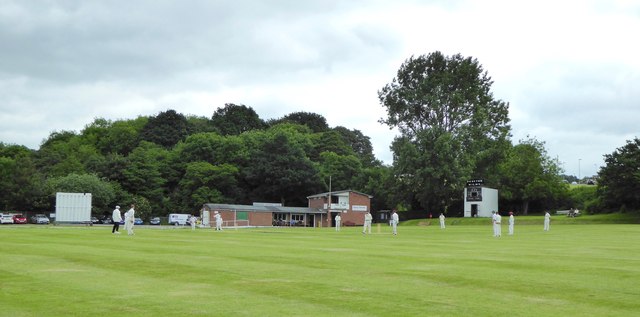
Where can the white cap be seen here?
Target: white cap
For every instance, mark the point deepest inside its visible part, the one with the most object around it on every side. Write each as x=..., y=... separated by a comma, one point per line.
x=215, y=212
x=117, y=207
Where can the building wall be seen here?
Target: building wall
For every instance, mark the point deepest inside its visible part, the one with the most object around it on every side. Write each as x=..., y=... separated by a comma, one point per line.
x=351, y=216
x=260, y=218
x=255, y=218
x=356, y=217
x=359, y=200
x=488, y=204
x=317, y=202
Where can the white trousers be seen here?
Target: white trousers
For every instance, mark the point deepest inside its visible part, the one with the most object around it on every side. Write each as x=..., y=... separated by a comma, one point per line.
x=366, y=225
x=338, y=225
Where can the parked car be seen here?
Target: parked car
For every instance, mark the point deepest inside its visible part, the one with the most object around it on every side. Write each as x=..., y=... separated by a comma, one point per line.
x=138, y=221
x=95, y=220
x=106, y=220
x=33, y=218
x=40, y=219
x=19, y=219
x=154, y=221
x=6, y=218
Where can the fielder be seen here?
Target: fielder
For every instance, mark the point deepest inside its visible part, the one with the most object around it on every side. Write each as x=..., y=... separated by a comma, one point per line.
x=129, y=217
x=493, y=223
x=116, y=217
x=338, y=220
x=441, y=220
x=218, y=221
x=193, y=221
x=512, y=221
x=498, y=224
x=547, y=220
x=367, y=223
x=394, y=223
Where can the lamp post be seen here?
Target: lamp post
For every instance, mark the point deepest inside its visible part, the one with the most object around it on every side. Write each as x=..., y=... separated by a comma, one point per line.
x=579, y=170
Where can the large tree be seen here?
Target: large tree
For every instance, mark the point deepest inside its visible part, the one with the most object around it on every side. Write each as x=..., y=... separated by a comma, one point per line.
x=528, y=174
x=448, y=119
x=619, y=179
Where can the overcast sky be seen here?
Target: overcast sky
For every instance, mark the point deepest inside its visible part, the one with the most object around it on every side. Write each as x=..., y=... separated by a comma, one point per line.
x=570, y=70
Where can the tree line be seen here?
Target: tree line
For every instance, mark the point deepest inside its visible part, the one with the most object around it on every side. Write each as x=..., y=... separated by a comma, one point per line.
x=452, y=129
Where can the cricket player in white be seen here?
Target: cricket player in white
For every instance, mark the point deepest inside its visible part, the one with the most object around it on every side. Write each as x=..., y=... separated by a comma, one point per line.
x=129, y=217
x=512, y=222
x=116, y=217
x=338, y=220
x=394, y=223
x=498, y=224
x=193, y=221
x=547, y=220
x=367, y=223
x=441, y=220
x=218, y=221
x=493, y=223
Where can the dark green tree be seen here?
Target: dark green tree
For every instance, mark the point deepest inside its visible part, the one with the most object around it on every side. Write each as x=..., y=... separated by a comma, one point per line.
x=619, y=179
x=206, y=183
x=447, y=117
x=379, y=182
x=280, y=171
x=20, y=182
x=166, y=129
x=234, y=119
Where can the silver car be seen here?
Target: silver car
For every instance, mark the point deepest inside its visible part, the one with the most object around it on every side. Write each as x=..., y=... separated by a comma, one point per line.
x=41, y=219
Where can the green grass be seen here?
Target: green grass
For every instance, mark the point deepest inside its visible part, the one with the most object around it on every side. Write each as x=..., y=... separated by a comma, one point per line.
x=572, y=270
x=616, y=218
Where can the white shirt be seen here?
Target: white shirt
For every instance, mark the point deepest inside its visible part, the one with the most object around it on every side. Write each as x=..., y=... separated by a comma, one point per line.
x=116, y=216
x=129, y=215
x=441, y=217
x=498, y=218
x=511, y=219
x=395, y=218
x=367, y=218
x=338, y=218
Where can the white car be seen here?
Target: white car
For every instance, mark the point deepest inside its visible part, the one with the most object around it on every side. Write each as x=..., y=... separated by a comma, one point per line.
x=6, y=218
x=41, y=219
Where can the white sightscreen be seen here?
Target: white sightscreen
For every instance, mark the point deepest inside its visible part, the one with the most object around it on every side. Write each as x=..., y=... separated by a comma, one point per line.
x=73, y=207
